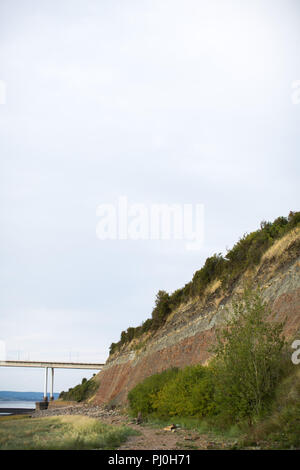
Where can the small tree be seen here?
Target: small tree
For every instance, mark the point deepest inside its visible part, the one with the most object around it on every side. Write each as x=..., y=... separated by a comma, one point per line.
x=161, y=310
x=247, y=359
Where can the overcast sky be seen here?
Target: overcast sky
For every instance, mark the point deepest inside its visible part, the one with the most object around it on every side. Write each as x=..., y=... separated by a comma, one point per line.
x=161, y=101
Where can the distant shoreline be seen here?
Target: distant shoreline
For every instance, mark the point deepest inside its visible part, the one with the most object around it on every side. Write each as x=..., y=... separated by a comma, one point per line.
x=15, y=407
x=16, y=411
x=10, y=395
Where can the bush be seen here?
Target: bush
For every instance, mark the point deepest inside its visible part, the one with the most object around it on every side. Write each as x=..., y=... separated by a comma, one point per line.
x=186, y=392
x=248, y=361
x=141, y=397
x=161, y=310
x=80, y=392
x=189, y=393
x=212, y=269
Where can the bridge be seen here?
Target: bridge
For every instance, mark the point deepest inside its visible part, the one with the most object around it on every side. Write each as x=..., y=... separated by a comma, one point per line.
x=52, y=366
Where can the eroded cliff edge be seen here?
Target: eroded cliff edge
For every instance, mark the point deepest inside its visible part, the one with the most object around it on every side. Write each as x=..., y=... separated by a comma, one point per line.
x=189, y=332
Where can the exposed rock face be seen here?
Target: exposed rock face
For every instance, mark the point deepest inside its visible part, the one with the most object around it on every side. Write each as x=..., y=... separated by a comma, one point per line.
x=189, y=333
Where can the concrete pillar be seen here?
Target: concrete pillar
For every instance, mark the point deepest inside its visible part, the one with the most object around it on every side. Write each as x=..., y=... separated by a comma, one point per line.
x=46, y=385
x=52, y=384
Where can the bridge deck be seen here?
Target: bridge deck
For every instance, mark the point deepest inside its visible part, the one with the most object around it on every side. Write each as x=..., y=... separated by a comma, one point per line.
x=56, y=365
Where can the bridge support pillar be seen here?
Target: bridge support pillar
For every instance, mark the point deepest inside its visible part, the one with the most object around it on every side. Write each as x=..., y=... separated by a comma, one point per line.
x=46, y=385
x=52, y=384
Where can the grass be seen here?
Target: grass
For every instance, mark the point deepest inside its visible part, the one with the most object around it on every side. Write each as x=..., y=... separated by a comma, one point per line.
x=281, y=245
x=13, y=417
x=208, y=427
x=186, y=446
x=61, y=433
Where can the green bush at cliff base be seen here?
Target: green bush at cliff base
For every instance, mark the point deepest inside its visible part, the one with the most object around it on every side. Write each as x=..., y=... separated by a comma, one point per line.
x=142, y=396
x=189, y=393
x=239, y=384
x=174, y=392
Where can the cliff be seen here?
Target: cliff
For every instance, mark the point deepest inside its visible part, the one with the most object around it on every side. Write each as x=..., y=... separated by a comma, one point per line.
x=189, y=331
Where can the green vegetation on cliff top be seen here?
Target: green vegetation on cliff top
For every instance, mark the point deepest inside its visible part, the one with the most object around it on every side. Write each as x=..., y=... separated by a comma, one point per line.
x=246, y=253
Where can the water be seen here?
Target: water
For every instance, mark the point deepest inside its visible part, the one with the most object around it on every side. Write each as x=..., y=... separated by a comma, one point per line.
x=16, y=404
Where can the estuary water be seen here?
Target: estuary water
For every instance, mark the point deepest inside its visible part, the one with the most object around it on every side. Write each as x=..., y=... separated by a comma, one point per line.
x=15, y=404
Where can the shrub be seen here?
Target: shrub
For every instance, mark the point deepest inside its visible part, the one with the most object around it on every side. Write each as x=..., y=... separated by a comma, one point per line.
x=212, y=269
x=189, y=393
x=147, y=325
x=186, y=392
x=141, y=397
x=161, y=310
x=248, y=361
x=80, y=392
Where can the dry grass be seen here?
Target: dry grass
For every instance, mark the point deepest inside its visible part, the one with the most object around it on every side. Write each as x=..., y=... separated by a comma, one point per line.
x=58, y=433
x=282, y=245
x=182, y=306
x=212, y=287
x=13, y=417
